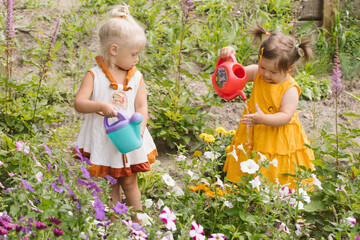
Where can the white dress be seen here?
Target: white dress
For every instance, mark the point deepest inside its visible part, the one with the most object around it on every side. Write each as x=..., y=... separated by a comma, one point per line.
x=104, y=157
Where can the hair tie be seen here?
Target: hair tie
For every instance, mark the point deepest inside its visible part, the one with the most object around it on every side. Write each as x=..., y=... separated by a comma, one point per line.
x=123, y=11
x=296, y=46
x=261, y=53
x=267, y=34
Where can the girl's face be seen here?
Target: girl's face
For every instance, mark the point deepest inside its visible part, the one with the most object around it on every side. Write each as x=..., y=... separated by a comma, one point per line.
x=269, y=72
x=126, y=58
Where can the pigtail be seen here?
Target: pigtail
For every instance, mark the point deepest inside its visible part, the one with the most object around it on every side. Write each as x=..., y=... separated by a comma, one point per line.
x=258, y=31
x=305, y=45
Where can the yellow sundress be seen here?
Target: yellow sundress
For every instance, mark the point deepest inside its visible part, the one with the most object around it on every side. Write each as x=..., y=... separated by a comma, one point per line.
x=285, y=143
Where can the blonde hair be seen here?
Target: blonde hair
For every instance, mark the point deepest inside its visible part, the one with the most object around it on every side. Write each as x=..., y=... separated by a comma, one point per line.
x=121, y=29
x=282, y=48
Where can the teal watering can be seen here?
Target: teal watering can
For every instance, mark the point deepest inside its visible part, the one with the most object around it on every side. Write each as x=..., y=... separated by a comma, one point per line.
x=125, y=133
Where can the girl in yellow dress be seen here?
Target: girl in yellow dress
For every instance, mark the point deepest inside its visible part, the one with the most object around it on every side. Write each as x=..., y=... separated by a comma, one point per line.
x=271, y=125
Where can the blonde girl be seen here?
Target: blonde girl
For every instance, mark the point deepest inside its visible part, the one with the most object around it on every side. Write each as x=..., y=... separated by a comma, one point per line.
x=271, y=125
x=115, y=84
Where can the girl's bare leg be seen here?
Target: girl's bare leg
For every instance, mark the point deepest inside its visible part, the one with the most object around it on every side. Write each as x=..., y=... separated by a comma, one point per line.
x=115, y=194
x=132, y=193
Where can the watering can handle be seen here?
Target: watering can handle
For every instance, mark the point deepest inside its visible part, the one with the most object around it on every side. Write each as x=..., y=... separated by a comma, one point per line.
x=119, y=116
x=221, y=60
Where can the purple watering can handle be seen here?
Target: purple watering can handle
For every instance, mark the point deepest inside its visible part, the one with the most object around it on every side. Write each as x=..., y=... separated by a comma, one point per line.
x=221, y=60
x=120, y=117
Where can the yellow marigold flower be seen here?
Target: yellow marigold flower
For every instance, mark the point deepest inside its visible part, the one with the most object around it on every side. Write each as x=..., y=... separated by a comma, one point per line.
x=204, y=187
x=210, y=194
x=194, y=188
x=209, y=138
x=203, y=135
x=221, y=130
x=228, y=149
x=197, y=154
x=232, y=132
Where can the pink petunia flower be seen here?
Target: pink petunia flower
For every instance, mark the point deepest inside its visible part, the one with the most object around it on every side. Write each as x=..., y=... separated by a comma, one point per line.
x=22, y=147
x=197, y=231
x=283, y=227
x=217, y=236
x=350, y=221
x=169, y=218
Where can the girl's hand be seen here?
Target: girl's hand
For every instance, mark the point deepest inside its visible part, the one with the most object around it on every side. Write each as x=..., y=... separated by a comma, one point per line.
x=225, y=52
x=108, y=110
x=253, y=119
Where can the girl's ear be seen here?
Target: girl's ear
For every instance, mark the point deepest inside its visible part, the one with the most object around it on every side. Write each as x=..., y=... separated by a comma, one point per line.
x=114, y=49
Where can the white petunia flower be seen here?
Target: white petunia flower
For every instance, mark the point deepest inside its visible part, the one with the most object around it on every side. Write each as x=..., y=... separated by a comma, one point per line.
x=256, y=183
x=211, y=155
x=228, y=204
x=233, y=153
x=180, y=158
x=178, y=191
x=316, y=181
x=168, y=180
x=304, y=195
x=145, y=218
x=274, y=162
x=249, y=166
x=148, y=203
x=39, y=176
x=219, y=182
x=160, y=203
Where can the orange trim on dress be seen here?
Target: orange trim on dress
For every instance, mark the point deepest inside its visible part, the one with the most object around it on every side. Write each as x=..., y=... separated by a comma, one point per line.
x=113, y=83
x=99, y=170
x=92, y=74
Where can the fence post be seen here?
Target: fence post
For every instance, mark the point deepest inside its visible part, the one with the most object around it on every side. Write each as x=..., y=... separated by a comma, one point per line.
x=329, y=13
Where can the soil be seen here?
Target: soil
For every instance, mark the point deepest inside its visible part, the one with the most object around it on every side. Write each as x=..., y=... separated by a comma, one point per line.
x=313, y=115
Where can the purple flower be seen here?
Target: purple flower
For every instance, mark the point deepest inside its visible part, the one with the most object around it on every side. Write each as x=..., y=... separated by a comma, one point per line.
x=53, y=37
x=58, y=232
x=357, y=238
x=120, y=208
x=10, y=26
x=110, y=179
x=40, y=225
x=99, y=209
x=337, y=87
x=6, y=225
x=3, y=231
x=60, y=180
x=137, y=227
x=55, y=221
x=26, y=184
x=47, y=150
x=93, y=185
x=5, y=217
x=82, y=182
x=103, y=224
x=70, y=191
x=82, y=158
x=18, y=228
x=78, y=205
x=25, y=238
x=56, y=188
x=85, y=172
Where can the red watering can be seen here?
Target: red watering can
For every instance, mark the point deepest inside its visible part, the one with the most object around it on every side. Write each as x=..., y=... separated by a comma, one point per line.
x=229, y=79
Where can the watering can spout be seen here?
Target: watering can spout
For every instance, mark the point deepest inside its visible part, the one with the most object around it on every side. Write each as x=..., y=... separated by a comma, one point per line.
x=243, y=95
